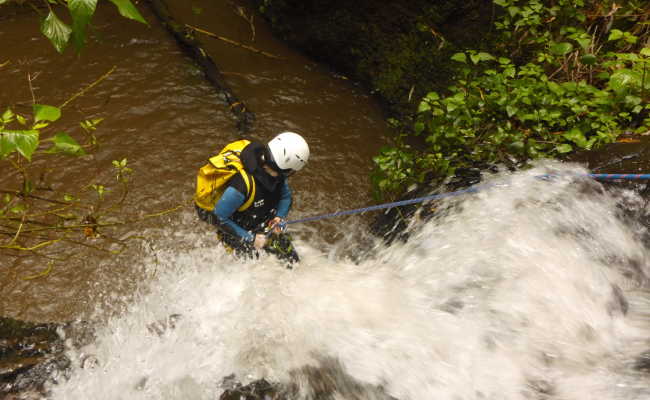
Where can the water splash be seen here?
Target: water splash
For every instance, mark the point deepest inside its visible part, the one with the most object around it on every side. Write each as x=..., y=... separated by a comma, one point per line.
x=533, y=289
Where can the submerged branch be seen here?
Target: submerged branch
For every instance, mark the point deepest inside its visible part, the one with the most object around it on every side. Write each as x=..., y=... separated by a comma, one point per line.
x=87, y=88
x=187, y=41
x=234, y=43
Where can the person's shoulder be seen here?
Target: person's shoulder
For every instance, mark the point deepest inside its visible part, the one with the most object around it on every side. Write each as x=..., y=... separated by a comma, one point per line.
x=237, y=183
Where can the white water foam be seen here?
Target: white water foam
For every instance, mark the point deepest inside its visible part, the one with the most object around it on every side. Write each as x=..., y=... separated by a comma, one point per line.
x=515, y=292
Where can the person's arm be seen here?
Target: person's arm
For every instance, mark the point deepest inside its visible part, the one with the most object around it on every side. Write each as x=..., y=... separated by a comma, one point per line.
x=285, y=200
x=227, y=205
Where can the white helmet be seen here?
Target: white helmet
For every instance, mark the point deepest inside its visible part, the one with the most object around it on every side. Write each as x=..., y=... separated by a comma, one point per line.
x=289, y=151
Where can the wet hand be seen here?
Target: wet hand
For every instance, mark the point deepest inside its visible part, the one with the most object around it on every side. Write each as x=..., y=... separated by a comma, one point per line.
x=260, y=241
x=277, y=225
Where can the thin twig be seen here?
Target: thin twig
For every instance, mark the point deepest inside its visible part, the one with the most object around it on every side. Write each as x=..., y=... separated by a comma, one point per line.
x=88, y=87
x=234, y=43
x=241, y=12
x=31, y=88
x=43, y=273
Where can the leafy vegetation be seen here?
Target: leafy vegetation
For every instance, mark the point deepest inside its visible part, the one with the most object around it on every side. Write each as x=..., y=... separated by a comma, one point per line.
x=80, y=12
x=35, y=216
x=561, y=76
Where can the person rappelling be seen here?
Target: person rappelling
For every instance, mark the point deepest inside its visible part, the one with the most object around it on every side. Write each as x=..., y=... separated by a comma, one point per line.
x=244, y=192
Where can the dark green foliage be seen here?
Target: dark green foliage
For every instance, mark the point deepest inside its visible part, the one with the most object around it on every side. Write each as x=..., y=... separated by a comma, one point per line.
x=567, y=75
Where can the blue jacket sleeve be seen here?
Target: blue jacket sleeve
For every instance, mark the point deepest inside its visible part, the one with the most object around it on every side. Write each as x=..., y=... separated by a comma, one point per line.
x=285, y=201
x=229, y=202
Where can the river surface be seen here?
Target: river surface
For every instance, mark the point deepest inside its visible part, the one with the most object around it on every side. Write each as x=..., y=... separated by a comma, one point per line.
x=164, y=117
x=528, y=289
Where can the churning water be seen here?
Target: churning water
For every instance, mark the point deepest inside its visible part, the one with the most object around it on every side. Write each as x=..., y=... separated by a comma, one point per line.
x=529, y=289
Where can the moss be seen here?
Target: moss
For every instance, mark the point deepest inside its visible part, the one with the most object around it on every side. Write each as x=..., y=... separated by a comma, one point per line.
x=399, y=50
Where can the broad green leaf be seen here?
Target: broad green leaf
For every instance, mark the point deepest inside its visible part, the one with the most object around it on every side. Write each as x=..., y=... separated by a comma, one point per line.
x=44, y=112
x=485, y=56
x=588, y=59
x=23, y=141
x=63, y=143
x=563, y=148
x=433, y=96
x=511, y=110
x=424, y=106
x=57, y=31
x=576, y=136
x=623, y=79
x=6, y=146
x=615, y=34
x=555, y=88
x=584, y=42
x=512, y=10
x=460, y=57
x=128, y=10
x=560, y=49
x=81, y=11
x=645, y=51
x=7, y=116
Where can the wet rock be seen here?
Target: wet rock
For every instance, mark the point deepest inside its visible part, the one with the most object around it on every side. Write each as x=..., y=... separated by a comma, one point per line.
x=257, y=390
x=400, y=50
x=326, y=381
x=642, y=362
x=32, y=354
x=161, y=326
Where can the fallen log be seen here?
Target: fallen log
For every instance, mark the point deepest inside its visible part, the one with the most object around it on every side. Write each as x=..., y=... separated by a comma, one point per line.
x=185, y=38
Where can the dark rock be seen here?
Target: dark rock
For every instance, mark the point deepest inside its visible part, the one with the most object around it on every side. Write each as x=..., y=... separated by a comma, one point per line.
x=400, y=50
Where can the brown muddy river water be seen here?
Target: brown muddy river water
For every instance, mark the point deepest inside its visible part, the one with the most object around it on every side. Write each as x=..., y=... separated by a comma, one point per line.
x=163, y=116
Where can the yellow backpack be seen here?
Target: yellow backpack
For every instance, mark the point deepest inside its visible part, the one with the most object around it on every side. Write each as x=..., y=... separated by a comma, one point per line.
x=213, y=176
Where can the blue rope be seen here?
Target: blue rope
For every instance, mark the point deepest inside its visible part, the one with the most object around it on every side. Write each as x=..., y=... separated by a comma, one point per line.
x=472, y=189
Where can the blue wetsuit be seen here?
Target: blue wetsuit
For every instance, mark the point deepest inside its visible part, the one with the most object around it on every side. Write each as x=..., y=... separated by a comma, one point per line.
x=232, y=199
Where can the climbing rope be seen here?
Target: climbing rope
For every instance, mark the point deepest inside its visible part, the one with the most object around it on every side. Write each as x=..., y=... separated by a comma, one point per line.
x=472, y=189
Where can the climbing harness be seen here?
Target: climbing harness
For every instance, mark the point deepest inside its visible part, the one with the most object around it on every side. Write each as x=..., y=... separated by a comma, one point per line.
x=472, y=189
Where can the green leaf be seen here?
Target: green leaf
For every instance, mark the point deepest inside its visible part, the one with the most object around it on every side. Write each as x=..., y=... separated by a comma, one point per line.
x=560, y=49
x=485, y=56
x=57, y=31
x=584, y=42
x=460, y=57
x=7, y=116
x=81, y=11
x=6, y=146
x=63, y=143
x=645, y=51
x=18, y=208
x=511, y=110
x=588, y=59
x=576, y=136
x=615, y=34
x=44, y=112
x=23, y=141
x=624, y=79
x=128, y=10
x=563, y=148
